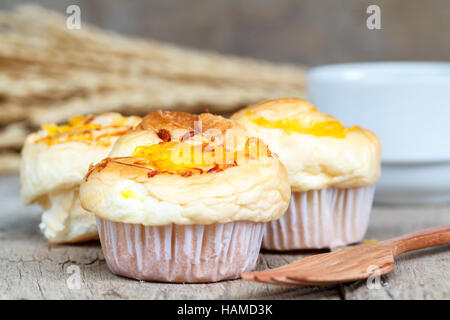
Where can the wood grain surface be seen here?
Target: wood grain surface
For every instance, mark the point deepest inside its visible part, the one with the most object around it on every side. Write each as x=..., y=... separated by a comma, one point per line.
x=30, y=268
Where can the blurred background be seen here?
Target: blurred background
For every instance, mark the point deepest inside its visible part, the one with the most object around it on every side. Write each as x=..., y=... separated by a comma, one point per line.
x=309, y=32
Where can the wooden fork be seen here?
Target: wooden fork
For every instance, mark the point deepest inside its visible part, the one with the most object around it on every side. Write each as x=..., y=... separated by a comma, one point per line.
x=351, y=264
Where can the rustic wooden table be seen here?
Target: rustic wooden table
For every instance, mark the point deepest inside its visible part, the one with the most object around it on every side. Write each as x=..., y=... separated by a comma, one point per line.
x=30, y=268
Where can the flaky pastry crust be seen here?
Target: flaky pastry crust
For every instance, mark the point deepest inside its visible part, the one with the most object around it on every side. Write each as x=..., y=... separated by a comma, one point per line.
x=150, y=188
x=55, y=160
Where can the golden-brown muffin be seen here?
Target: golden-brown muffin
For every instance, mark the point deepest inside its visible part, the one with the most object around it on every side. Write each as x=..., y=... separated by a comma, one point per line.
x=331, y=170
x=316, y=149
x=192, y=175
x=54, y=161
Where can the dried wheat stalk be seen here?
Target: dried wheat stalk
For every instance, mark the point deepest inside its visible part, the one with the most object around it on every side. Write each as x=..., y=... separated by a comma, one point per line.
x=49, y=73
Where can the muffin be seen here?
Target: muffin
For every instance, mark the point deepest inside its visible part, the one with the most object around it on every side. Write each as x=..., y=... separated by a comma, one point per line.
x=332, y=170
x=184, y=198
x=55, y=160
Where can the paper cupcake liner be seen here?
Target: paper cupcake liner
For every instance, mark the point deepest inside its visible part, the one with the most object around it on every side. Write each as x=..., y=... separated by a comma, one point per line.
x=181, y=253
x=324, y=218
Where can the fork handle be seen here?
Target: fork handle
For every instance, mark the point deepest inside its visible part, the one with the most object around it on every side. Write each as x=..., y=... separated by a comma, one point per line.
x=425, y=238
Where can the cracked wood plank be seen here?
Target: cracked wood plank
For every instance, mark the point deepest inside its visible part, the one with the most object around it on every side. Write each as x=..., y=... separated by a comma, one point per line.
x=30, y=268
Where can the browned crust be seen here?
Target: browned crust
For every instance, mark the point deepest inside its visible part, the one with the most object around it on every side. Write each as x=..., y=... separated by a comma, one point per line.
x=171, y=120
x=132, y=168
x=164, y=135
x=125, y=167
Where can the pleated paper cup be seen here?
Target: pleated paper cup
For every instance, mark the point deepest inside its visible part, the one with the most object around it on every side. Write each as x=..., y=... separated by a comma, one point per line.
x=181, y=253
x=325, y=218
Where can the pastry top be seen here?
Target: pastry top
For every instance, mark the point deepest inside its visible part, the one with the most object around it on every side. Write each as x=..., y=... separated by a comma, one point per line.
x=57, y=157
x=187, y=169
x=316, y=149
x=172, y=126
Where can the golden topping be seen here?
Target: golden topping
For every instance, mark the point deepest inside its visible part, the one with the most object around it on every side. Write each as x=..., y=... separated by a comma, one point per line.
x=77, y=120
x=80, y=128
x=187, y=159
x=332, y=128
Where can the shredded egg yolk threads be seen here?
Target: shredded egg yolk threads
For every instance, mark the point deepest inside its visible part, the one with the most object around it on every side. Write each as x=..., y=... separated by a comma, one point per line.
x=186, y=159
x=318, y=128
x=75, y=123
x=78, y=128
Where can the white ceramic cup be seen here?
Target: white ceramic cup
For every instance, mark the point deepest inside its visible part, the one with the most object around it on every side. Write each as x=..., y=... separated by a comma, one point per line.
x=407, y=105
